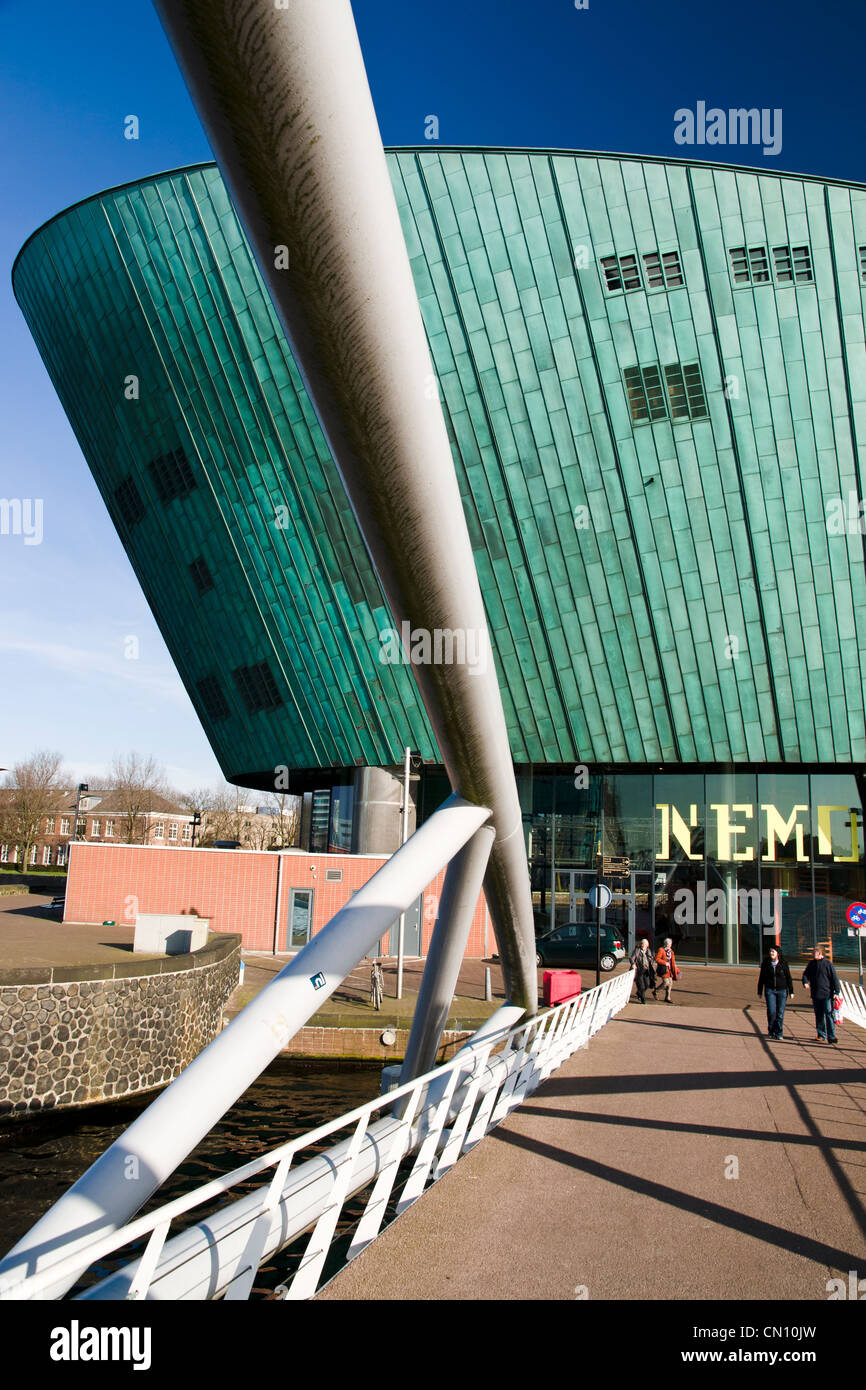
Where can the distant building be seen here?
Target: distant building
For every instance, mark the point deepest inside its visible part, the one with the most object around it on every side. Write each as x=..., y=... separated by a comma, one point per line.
x=104, y=816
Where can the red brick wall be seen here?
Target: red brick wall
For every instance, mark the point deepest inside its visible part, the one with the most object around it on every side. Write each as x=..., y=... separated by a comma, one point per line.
x=236, y=889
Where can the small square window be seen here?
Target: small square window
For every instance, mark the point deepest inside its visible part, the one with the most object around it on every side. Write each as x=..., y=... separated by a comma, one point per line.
x=210, y=693
x=172, y=475
x=652, y=264
x=201, y=575
x=802, y=265
x=620, y=273
x=783, y=266
x=673, y=269
x=610, y=267
x=861, y=252
x=695, y=391
x=630, y=272
x=749, y=266
x=677, y=392
x=759, y=266
x=655, y=394
x=663, y=272
x=636, y=395
x=127, y=500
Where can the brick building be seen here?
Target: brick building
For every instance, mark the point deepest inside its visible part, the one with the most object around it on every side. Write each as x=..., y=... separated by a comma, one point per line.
x=104, y=817
x=276, y=900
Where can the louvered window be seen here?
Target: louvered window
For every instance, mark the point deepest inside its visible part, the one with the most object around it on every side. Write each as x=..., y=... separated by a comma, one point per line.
x=172, y=475
x=257, y=687
x=201, y=575
x=127, y=500
x=212, y=698
x=621, y=273
x=663, y=272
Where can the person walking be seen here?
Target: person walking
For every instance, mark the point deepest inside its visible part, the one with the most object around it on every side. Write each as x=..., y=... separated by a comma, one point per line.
x=667, y=969
x=821, y=980
x=774, y=982
x=644, y=969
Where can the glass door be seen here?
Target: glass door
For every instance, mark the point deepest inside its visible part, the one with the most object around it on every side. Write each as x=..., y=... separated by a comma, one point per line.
x=300, y=923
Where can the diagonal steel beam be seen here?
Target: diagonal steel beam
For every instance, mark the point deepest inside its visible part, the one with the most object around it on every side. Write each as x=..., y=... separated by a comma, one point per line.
x=282, y=92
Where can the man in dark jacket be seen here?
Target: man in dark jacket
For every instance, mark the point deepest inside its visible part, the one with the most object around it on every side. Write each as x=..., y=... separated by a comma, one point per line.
x=821, y=979
x=774, y=982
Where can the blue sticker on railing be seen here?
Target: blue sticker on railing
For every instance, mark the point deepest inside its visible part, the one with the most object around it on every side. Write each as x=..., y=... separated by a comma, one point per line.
x=317, y=981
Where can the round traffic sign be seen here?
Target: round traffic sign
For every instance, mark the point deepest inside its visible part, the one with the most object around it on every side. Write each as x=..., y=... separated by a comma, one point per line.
x=856, y=914
x=600, y=896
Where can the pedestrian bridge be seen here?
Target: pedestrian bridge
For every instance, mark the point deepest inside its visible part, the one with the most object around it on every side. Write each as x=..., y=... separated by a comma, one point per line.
x=681, y=1156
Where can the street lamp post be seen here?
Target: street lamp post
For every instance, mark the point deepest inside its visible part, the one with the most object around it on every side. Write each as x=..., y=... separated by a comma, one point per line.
x=82, y=787
x=195, y=823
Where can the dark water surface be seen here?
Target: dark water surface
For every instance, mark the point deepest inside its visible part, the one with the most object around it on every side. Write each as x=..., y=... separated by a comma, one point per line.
x=41, y=1157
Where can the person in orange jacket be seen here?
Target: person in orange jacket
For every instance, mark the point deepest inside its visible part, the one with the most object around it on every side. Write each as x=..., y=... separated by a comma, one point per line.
x=667, y=969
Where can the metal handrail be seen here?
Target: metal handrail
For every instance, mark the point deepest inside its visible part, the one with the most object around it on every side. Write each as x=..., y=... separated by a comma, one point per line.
x=529, y=1052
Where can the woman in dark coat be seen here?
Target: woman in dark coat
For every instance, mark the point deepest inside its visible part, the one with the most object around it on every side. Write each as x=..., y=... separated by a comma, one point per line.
x=644, y=969
x=774, y=982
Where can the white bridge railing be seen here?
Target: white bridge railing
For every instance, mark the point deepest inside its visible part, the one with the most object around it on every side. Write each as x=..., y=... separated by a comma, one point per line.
x=854, y=1001
x=435, y=1118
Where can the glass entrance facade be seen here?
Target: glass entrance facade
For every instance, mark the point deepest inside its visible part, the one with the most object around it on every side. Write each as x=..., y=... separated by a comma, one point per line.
x=724, y=862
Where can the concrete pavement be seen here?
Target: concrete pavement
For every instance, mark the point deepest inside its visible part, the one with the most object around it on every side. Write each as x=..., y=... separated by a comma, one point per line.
x=680, y=1156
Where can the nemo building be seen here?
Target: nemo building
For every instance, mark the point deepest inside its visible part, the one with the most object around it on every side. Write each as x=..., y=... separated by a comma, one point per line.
x=654, y=380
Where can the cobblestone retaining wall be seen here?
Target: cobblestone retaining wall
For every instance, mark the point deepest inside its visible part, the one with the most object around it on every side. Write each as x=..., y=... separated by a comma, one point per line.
x=75, y=1035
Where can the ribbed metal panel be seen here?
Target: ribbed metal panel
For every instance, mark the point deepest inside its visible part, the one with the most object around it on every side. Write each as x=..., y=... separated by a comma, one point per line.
x=705, y=535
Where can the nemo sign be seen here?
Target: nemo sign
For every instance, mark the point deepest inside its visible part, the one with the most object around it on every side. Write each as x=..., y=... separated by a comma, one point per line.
x=739, y=827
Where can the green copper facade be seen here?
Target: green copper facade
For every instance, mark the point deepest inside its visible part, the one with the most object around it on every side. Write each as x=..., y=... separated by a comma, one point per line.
x=654, y=379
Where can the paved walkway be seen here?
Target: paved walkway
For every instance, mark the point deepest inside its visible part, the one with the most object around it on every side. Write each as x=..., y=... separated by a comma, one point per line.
x=617, y=1177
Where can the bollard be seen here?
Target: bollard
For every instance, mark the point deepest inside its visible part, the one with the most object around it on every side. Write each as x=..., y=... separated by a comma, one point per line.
x=488, y=988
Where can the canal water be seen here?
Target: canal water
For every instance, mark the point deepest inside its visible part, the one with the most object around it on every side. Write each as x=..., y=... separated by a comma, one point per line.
x=40, y=1157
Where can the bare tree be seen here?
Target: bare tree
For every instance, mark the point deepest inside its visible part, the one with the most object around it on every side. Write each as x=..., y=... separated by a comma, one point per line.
x=286, y=811
x=137, y=781
x=36, y=789
x=226, y=814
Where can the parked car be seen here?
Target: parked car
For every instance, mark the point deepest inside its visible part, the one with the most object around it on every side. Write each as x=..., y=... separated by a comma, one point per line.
x=574, y=944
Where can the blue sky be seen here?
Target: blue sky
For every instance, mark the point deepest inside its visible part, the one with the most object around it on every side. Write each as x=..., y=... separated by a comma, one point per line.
x=497, y=72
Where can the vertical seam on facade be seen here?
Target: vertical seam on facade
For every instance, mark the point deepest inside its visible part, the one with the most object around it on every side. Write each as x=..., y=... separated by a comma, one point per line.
x=736, y=456
x=624, y=490
x=495, y=448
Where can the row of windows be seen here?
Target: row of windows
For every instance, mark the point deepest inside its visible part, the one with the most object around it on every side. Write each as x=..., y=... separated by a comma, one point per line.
x=256, y=687
x=750, y=265
x=678, y=394
x=96, y=828
x=10, y=853
x=661, y=270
